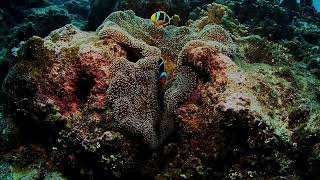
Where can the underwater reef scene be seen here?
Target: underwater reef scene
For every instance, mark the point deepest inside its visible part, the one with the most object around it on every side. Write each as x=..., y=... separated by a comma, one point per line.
x=167, y=89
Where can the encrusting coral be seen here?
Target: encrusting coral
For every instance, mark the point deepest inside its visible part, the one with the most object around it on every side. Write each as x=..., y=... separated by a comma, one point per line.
x=66, y=73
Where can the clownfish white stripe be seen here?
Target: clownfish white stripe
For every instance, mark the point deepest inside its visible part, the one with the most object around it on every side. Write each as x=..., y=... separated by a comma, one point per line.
x=158, y=16
x=163, y=74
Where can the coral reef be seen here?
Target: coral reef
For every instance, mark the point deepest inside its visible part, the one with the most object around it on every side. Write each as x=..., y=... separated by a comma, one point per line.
x=170, y=40
x=260, y=50
x=218, y=14
x=28, y=162
x=83, y=72
x=99, y=10
x=263, y=18
x=214, y=14
x=114, y=68
x=236, y=105
x=21, y=20
x=270, y=20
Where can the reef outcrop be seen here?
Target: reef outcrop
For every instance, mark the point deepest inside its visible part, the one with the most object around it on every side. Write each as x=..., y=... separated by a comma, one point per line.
x=20, y=20
x=232, y=107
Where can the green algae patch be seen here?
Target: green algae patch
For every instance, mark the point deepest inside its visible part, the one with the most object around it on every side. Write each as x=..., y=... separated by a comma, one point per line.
x=55, y=37
x=36, y=58
x=55, y=117
x=108, y=111
x=22, y=173
x=70, y=53
x=313, y=125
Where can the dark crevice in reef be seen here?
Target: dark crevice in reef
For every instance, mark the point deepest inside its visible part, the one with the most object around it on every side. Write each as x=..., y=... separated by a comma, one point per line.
x=84, y=84
x=311, y=38
x=36, y=130
x=30, y=122
x=200, y=73
x=203, y=75
x=236, y=130
x=305, y=162
x=4, y=68
x=318, y=95
x=133, y=54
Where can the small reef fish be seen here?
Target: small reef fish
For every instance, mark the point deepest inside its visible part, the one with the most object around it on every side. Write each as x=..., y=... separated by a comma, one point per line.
x=163, y=73
x=160, y=18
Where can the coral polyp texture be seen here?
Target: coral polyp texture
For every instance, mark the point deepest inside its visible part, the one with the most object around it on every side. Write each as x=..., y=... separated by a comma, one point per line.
x=90, y=105
x=170, y=40
x=134, y=94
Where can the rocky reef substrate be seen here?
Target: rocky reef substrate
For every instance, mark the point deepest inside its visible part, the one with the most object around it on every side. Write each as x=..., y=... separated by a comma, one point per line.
x=82, y=104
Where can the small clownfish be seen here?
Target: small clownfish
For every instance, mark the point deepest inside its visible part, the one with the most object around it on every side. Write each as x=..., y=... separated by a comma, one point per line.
x=160, y=18
x=163, y=73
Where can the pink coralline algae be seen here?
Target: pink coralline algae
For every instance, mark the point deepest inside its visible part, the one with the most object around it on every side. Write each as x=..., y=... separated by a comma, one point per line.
x=79, y=76
x=65, y=78
x=91, y=66
x=205, y=58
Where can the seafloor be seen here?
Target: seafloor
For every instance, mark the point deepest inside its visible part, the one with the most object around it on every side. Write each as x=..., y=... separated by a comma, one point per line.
x=81, y=99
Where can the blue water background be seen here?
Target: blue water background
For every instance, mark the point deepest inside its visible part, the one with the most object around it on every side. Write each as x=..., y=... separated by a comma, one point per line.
x=317, y=4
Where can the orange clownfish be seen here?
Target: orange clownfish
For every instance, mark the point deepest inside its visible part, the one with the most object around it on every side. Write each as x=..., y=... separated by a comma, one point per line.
x=160, y=18
x=163, y=73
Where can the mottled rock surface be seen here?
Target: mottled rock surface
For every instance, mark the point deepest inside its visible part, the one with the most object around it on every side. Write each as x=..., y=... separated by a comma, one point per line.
x=20, y=20
x=89, y=103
